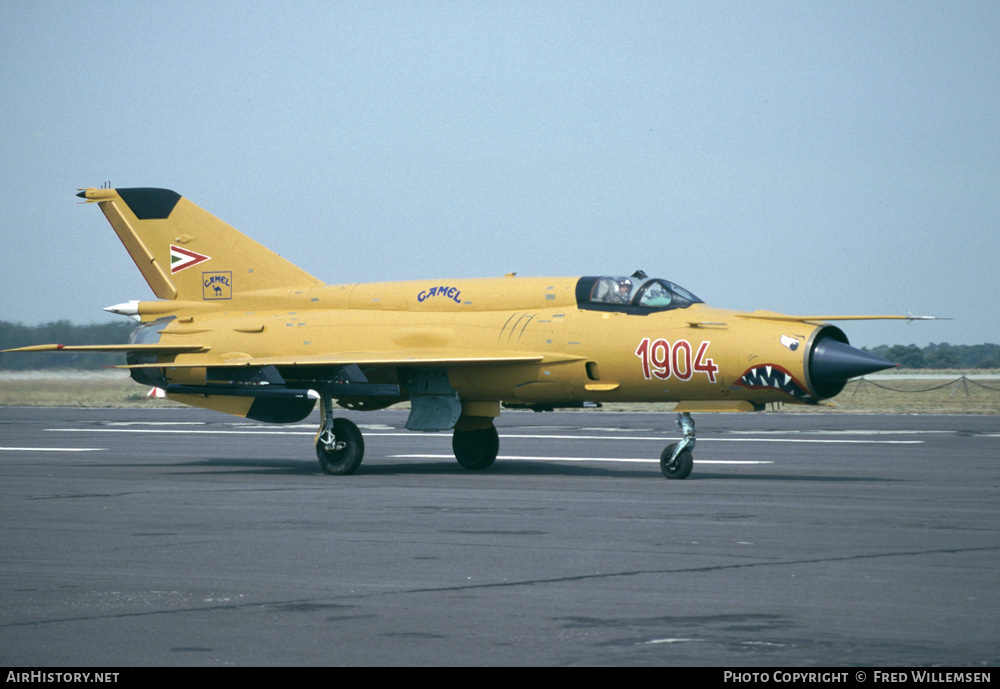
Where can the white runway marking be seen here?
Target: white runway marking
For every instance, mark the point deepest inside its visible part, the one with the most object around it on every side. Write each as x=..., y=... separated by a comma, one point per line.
x=187, y=432
x=670, y=641
x=417, y=434
x=53, y=449
x=838, y=432
x=641, y=460
x=716, y=440
x=154, y=423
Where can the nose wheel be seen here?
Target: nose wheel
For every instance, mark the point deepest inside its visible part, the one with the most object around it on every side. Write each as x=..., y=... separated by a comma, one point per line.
x=677, y=459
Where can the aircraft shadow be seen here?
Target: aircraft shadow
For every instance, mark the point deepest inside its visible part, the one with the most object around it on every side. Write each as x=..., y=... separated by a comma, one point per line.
x=287, y=467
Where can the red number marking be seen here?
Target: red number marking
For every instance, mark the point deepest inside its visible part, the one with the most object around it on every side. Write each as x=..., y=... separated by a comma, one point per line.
x=661, y=360
x=703, y=365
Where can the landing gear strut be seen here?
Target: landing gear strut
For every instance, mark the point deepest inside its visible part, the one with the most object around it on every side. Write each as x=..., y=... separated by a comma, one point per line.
x=340, y=446
x=677, y=460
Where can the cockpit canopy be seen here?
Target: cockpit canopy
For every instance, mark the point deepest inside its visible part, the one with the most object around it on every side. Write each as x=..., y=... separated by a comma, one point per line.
x=636, y=294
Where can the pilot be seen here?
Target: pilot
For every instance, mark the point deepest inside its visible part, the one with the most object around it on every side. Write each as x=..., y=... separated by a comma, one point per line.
x=623, y=291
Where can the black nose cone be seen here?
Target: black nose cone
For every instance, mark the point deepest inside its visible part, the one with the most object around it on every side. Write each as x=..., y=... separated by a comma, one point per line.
x=833, y=363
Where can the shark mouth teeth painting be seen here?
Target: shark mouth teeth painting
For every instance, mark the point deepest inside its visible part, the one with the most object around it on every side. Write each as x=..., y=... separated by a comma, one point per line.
x=773, y=377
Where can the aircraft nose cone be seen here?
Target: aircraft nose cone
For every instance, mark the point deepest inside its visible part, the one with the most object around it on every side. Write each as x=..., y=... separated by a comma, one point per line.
x=833, y=363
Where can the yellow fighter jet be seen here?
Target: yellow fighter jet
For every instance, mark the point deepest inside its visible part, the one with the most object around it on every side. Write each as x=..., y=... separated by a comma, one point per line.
x=238, y=329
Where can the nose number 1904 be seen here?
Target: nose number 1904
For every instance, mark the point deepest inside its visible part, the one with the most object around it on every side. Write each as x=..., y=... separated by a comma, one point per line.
x=662, y=360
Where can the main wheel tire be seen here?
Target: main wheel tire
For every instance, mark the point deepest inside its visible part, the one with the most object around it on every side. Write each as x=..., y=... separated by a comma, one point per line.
x=345, y=460
x=681, y=468
x=476, y=450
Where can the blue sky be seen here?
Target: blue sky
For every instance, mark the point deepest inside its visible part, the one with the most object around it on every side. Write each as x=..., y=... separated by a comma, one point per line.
x=803, y=157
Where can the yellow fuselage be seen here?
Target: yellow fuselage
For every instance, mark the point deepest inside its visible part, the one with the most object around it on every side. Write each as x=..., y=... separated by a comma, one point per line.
x=478, y=328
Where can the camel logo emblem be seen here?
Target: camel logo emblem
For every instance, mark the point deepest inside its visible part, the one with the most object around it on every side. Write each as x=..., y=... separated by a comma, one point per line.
x=217, y=285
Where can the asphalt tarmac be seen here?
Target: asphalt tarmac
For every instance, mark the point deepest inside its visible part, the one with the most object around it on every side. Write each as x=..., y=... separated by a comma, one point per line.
x=185, y=537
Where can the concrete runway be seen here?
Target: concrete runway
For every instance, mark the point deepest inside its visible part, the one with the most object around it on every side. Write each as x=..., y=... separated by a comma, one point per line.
x=184, y=537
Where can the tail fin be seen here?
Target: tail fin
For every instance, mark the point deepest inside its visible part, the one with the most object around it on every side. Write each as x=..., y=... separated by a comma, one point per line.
x=185, y=252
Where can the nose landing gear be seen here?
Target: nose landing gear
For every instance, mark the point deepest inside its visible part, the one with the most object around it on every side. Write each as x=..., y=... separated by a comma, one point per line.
x=677, y=460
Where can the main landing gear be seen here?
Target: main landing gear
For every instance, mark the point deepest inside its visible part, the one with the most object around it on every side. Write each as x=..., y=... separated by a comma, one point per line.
x=476, y=449
x=677, y=460
x=340, y=446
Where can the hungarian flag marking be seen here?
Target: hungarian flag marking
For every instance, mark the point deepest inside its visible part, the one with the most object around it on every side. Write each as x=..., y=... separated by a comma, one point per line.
x=184, y=258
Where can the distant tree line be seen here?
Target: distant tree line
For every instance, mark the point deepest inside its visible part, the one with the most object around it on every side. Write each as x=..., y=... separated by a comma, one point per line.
x=62, y=332
x=941, y=355
x=12, y=335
